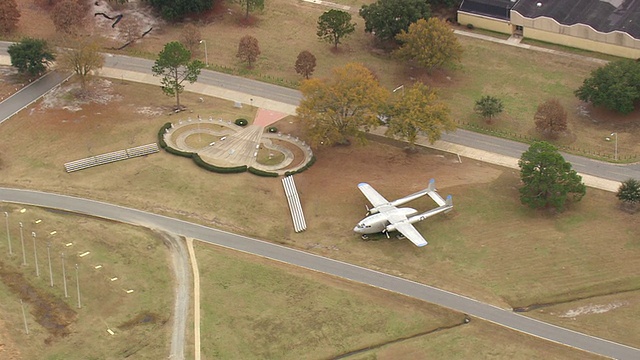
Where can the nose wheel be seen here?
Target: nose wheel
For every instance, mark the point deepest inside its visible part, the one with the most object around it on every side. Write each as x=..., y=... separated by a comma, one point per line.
x=365, y=237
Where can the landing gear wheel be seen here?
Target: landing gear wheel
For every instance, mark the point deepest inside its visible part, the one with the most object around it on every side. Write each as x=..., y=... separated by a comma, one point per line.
x=365, y=237
x=400, y=236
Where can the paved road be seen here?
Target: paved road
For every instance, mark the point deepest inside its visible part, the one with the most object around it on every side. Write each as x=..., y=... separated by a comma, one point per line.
x=352, y=272
x=325, y=265
x=461, y=137
x=30, y=93
x=292, y=97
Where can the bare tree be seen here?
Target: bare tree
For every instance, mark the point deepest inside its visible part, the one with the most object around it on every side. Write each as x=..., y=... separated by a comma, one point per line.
x=82, y=60
x=551, y=118
x=190, y=37
x=68, y=16
x=130, y=29
x=248, y=50
x=9, y=16
x=305, y=64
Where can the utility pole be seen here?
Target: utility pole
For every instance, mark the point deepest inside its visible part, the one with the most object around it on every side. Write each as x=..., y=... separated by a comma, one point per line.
x=78, y=286
x=24, y=256
x=6, y=215
x=35, y=253
x=64, y=277
x=206, y=53
x=49, y=257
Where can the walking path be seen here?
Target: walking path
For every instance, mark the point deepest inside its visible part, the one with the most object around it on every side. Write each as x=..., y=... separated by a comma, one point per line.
x=196, y=298
x=299, y=258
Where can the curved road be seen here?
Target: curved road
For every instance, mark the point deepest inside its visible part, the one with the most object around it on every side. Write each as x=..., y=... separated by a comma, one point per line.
x=325, y=265
x=314, y=262
x=292, y=97
x=461, y=137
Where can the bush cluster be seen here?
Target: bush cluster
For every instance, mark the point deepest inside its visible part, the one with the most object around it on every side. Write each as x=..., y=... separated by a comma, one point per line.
x=308, y=165
x=161, y=132
x=222, y=170
x=262, y=172
x=241, y=122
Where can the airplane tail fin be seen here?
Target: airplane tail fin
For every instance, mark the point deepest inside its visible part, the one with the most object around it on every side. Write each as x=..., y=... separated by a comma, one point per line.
x=433, y=193
x=432, y=185
x=449, y=202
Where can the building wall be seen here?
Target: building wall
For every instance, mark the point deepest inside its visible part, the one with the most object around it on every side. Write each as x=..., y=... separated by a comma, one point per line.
x=578, y=36
x=484, y=22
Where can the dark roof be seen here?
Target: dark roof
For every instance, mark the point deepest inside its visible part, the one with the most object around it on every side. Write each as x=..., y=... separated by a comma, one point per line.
x=602, y=15
x=493, y=8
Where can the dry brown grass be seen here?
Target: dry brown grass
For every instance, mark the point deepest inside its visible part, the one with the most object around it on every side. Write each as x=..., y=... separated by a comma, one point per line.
x=490, y=247
x=521, y=88
x=57, y=328
x=260, y=308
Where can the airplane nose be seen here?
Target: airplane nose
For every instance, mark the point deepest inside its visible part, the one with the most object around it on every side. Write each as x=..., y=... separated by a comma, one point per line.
x=357, y=229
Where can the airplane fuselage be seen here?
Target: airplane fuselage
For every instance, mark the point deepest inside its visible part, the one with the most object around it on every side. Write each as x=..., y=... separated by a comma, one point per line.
x=378, y=222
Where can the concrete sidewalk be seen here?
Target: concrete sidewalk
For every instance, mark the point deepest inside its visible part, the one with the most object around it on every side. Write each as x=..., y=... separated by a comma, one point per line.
x=261, y=102
x=497, y=159
x=208, y=90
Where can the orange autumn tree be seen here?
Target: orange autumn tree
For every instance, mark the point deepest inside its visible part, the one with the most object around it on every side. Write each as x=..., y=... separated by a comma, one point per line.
x=430, y=44
x=419, y=111
x=337, y=108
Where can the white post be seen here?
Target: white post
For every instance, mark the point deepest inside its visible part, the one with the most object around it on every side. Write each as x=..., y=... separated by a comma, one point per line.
x=35, y=253
x=24, y=317
x=6, y=215
x=206, y=53
x=615, y=154
x=49, y=257
x=64, y=277
x=78, y=286
x=24, y=256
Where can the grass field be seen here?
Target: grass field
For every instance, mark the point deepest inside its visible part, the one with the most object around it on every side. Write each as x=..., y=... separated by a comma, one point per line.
x=257, y=308
x=490, y=248
x=521, y=78
x=140, y=320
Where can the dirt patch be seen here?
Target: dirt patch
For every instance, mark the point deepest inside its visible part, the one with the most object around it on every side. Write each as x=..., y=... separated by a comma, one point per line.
x=144, y=318
x=50, y=312
x=593, y=309
x=72, y=98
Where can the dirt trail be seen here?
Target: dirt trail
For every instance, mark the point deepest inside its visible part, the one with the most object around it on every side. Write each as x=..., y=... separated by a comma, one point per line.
x=196, y=298
x=180, y=260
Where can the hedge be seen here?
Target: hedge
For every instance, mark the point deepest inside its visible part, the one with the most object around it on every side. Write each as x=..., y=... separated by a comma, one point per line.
x=173, y=151
x=218, y=169
x=262, y=172
x=161, y=133
x=305, y=167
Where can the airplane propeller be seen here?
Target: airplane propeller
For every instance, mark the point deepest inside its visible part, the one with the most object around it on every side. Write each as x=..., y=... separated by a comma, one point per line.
x=368, y=211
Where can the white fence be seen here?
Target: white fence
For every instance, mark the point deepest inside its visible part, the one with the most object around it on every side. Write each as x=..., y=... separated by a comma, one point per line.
x=299, y=224
x=111, y=157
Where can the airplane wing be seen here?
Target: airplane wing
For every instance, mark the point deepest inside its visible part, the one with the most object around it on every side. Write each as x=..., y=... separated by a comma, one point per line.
x=372, y=195
x=411, y=233
x=400, y=223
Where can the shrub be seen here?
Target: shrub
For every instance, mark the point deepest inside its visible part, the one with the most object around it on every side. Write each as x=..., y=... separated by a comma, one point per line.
x=470, y=26
x=241, y=122
x=272, y=129
x=173, y=151
x=262, y=172
x=161, y=132
x=222, y=170
x=305, y=167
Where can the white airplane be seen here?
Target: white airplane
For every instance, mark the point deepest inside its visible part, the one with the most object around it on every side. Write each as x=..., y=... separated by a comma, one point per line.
x=386, y=216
